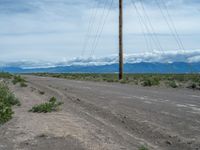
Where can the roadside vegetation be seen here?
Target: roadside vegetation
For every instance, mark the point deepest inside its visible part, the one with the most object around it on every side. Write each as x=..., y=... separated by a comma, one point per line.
x=7, y=100
x=18, y=79
x=15, y=78
x=5, y=75
x=190, y=81
x=50, y=106
x=143, y=148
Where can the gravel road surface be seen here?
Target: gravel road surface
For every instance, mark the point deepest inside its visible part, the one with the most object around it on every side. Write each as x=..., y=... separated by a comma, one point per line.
x=103, y=116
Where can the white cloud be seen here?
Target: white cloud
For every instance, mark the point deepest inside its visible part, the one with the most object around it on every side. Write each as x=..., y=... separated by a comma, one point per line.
x=169, y=57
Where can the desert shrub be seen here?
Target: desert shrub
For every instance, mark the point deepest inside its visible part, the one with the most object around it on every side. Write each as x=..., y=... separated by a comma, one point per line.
x=192, y=86
x=23, y=84
x=155, y=81
x=147, y=82
x=151, y=82
x=5, y=75
x=17, y=79
x=50, y=106
x=5, y=113
x=143, y=148
x=41, y=92
x=12, y=100
x=20, y=80
x=7, y=100
x=173, y=84
x=7, y=97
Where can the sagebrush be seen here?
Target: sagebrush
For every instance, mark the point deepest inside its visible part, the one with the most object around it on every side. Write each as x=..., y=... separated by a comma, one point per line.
x=50, y=106
x=18, y=79
x=7, y=100
x=143, y=148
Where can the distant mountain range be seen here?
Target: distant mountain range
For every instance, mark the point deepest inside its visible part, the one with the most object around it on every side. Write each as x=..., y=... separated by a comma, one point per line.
x=176, y=67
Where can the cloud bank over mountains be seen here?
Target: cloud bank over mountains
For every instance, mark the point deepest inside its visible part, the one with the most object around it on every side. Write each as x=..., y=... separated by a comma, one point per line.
x=167, y=57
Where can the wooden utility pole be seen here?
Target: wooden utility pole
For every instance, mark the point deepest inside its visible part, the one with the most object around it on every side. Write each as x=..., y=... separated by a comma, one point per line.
x=121, y=39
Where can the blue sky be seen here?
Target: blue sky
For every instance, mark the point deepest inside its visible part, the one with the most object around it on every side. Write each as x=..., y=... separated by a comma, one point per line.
x=55, y=30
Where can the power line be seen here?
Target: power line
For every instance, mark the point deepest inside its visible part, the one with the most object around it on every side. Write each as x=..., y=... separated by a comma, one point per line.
x=102, y=17
x=172, y=23
x=176, y=33
x=147, y=23
x=151, y=26
x=172, y=29
x=90, y=26
x=102, y=27
x=143, y=25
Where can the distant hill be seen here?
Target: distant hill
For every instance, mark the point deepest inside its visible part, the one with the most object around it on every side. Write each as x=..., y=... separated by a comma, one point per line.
x=177, y=67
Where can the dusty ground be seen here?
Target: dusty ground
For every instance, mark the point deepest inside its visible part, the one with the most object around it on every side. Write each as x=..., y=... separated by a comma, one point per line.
x=103, y=116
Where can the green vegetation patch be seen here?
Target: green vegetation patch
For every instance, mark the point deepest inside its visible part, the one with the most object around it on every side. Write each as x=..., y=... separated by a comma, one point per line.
x=191, y=81
x=143, y=148
x=5, y=75
x=7, y=100
x=50, y=106
x=173, y=84
x=151, y=82
x=18, y=79
x=5, y=113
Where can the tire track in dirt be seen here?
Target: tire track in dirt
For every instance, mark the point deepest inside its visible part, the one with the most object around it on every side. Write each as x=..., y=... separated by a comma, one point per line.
x=119, y=136
x=139, y=132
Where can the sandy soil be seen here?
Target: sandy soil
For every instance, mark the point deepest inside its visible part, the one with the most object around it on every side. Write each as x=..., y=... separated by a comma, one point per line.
x=103, y=116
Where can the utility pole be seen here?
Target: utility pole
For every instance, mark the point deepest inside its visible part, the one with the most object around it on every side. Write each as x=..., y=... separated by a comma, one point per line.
x=121, y=40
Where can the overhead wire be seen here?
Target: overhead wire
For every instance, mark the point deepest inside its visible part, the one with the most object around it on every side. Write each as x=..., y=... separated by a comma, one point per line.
x=98, y=29
x=148, y=43
x=147, y=26
x=172, y=23
x=143, y=28
x=151, y=26
x=90, y=27
x=172, y=29
x=102, y=27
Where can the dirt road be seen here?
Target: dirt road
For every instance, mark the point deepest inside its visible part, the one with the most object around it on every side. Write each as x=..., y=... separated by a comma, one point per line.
x=103, y=116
